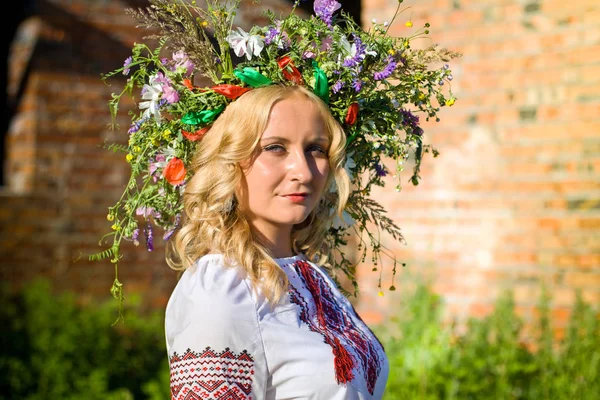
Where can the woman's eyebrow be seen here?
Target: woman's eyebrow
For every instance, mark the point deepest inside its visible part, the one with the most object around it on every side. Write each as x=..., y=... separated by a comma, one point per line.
x=276, y=138
x=323, y=139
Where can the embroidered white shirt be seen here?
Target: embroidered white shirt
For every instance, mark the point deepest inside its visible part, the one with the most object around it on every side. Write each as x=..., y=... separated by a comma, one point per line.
x=226, y=341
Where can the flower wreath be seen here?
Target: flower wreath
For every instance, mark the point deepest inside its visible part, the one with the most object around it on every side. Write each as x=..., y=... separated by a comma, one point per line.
x=374, y=84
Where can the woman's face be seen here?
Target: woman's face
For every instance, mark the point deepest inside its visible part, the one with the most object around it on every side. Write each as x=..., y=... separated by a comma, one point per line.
x=284, y=180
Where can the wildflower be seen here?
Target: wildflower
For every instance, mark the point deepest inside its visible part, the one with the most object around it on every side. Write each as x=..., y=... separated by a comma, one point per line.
x=352, y=114
x=387, y=70
x=244, y=44
x=175, y=171
x=350, y=165
x=149, y=236
x=356, y=52
x=337, y=86
x=289, y=70
x=324, y=9
x=450, y=102
x=159, y=162
x=408, y=24
x=129, y=157
x=135, y=236
x=272, y=35
x=145, y=211
x=110, y=217
x=182, y=63
x=170, y=232
x=411, y=122
x=380, y=170
x=135, y=126
x=193, y=136
x=357, y=85
x=152, y=93
x=126, y=65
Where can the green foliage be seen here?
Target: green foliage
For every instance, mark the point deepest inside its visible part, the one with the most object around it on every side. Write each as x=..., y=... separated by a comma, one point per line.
x=53, y=348
x=429, y=360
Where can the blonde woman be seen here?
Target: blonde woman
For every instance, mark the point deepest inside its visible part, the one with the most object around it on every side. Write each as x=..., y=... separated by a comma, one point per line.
x=255, y=315
x=246, y=175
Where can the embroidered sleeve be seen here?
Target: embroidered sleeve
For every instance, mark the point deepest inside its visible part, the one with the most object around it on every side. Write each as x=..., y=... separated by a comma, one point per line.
x=213, y=340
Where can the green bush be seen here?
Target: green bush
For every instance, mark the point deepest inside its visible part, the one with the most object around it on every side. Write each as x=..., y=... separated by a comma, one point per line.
x=54, y=349
x=489, y=361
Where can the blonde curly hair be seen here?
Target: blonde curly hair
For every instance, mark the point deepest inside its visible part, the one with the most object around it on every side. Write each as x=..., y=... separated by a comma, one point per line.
x=212, y=221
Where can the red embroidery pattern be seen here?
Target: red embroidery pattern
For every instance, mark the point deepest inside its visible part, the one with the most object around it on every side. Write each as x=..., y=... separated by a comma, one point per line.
x=350, y=344
x=211, y=375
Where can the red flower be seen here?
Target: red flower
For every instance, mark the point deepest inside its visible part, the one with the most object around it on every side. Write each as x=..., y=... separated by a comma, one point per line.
x=188, y=84
x=230, y=91
x=175, y=171
x=286, y=64
x=352, y=114
x=193, y=136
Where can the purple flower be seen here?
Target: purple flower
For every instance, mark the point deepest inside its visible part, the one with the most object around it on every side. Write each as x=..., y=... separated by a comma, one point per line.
x=170, y=232
x=144, y=211
x=136, y=125
x=357, y=85
x=159, y=162
x=411, y=122
x=183, y=62
x=337, y=86
x=387, y=71
x=357, y=54
x=170, y=94
x=149, y=236
x=135, y=237
x=126, y=65
x=324, y=9
x=380, y=170
x=271, y=35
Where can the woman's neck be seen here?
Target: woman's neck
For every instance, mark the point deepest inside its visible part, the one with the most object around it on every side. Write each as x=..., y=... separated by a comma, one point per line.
x=277, y=240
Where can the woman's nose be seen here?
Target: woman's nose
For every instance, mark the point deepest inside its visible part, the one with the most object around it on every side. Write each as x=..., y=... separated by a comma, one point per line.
x=300, y=166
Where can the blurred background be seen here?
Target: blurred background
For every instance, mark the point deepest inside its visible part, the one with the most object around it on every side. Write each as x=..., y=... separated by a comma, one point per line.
x=500, y=290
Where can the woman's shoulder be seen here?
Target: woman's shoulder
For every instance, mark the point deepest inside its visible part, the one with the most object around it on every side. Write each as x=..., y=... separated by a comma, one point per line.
x=212, y=282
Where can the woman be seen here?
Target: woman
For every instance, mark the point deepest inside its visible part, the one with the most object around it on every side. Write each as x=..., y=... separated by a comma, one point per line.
x=253, y=316
x=251, y=172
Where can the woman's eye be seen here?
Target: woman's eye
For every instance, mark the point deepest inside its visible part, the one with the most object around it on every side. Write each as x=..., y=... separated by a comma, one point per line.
x=274, y=148
x=318, y=150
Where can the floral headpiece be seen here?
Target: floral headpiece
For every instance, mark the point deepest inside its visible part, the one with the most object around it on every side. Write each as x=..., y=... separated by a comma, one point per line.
x=375, y=86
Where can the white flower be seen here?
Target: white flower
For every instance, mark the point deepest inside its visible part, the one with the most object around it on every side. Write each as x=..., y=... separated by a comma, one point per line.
x=345, y=221
x=151, y=93
x=245, y=44
x=350, y=50
x=350, y=165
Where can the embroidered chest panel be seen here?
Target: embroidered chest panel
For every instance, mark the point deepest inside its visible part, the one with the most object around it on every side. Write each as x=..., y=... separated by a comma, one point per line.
x=355, y=348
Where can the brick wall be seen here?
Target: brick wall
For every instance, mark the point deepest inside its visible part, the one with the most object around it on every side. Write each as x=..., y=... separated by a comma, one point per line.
x=511, y=202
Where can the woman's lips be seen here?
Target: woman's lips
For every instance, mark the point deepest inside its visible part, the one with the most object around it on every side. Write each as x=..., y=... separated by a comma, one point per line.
x=296, y=197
